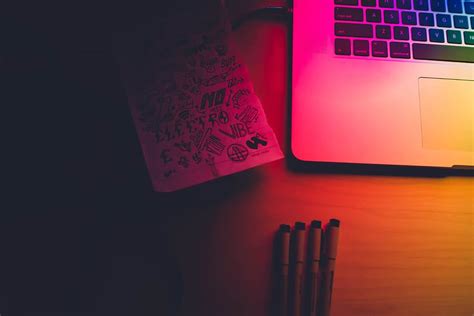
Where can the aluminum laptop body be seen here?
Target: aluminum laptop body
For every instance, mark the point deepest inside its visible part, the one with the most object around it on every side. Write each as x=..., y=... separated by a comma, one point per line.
x=386, y=82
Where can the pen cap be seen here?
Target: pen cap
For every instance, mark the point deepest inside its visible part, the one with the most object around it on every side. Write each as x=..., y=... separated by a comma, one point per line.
x=284, y=244
x=300, y=230
x=284, y=228
x=315, y=240
x=300, y=226
x=332, y=238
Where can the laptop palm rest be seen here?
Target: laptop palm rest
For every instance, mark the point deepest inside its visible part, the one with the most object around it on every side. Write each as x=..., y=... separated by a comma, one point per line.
x=447, y=111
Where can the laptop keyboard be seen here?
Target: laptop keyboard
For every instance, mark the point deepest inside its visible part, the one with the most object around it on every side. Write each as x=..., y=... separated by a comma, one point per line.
x=441, y=30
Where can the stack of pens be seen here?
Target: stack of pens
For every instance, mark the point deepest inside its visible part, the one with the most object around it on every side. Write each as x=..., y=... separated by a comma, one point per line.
x=306, y=281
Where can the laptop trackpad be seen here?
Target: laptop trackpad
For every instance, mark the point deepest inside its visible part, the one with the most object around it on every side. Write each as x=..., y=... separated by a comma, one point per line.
x=447, y=110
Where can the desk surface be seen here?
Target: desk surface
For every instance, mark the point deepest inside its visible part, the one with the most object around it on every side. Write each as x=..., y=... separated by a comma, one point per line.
x=407, y=243
x=105, y=243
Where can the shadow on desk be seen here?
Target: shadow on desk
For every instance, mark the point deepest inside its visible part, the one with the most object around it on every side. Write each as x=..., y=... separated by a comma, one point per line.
x=295, y=165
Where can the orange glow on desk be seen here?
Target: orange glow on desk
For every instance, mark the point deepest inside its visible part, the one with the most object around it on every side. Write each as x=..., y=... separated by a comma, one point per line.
x=406, y=244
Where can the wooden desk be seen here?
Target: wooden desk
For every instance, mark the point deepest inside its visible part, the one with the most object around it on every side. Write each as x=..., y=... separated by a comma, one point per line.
x=85, y=235
x=407, y=243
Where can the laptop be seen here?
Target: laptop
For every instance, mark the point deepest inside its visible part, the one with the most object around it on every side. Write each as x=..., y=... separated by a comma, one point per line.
x=387, y=82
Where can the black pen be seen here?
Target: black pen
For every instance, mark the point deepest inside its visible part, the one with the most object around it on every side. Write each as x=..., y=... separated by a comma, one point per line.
x=300, y=233
x=284, y=263
x=331, y=238
x=315, y=255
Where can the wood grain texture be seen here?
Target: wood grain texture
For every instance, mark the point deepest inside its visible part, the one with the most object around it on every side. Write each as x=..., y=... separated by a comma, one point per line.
x=406, y=244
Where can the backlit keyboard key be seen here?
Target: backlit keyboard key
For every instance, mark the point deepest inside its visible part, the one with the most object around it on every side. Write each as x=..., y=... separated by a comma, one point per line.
x=438, y=5
x=454, y=37
x=418, y=34
x=383, y=31
x=455, y=6
x=400, y=33
x=421, y=5
x=436, y=35
x=443, y=20
x=379, y=49
x=369, y=3
x=469, y=7
x=348, y=14
x=353, y=30
x=469, y=38
x=346, y=2
x=386, y=3
x=461, y=22
x=373, y=15
x=342, y=46
x=404, y=4
x=426, y=19
x=444, y=53
x=391, y=16
x=409, y=18
x=361, y=47
x=400, y=50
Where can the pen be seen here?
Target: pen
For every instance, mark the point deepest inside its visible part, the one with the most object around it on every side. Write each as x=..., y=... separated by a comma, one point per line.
x=315, y=255
x=331, y=237
x=284, y=264
x=300, y=230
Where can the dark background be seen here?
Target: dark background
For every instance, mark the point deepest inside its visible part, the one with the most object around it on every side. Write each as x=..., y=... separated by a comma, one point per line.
x=80, y=226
